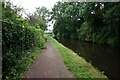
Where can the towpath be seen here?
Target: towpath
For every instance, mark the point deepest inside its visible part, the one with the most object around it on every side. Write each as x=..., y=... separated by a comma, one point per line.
x=48, y=64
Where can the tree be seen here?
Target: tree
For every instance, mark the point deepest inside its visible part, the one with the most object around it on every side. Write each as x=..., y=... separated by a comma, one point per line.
x=91, y=21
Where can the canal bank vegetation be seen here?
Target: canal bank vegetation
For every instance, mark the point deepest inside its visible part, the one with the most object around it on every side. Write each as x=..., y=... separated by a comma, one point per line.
x=95, y=22
x=77, y=65
x=22, y=40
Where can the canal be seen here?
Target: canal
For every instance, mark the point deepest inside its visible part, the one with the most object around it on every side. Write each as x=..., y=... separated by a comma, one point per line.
x=102, y=57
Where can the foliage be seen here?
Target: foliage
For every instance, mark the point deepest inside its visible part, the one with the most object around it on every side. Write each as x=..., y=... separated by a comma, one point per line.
x=36, y=21
x=77, y=65
x=91, y=21
x=67, y=19
x=40, y=18
x=85, y=32
x=43, y=12
x=19, y=40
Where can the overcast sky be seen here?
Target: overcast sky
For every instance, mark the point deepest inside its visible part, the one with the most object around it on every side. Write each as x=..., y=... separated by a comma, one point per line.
x=30, y=5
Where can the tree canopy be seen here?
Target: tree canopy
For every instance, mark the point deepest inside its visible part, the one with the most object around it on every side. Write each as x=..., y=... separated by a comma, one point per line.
x=96, y=22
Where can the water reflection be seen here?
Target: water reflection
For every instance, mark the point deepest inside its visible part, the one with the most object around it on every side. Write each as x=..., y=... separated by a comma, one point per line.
x=104, y=58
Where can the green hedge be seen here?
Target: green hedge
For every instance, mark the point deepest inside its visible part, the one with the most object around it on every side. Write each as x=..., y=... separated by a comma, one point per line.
x=17, y=41
x=20, y=41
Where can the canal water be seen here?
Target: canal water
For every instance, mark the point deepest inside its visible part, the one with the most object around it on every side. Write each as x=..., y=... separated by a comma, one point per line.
x=102, y=57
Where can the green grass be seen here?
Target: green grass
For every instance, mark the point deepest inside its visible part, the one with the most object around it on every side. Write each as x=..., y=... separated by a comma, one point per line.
x=77, y=65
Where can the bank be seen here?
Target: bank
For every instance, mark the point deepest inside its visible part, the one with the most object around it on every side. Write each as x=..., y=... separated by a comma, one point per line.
x=77, y=65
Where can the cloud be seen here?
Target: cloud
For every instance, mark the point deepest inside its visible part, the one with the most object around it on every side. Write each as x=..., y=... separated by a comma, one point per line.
x=30, y=5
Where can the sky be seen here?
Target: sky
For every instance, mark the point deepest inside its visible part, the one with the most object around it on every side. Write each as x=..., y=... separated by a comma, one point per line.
x=30, y=5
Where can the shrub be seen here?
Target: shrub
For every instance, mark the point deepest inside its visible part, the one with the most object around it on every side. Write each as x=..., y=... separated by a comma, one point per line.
x=16, y=42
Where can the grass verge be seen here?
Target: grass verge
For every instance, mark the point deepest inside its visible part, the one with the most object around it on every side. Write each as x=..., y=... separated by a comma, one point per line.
x=76, y=64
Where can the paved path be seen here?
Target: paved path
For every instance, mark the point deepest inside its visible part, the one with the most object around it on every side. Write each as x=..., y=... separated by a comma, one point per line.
x=48, y=64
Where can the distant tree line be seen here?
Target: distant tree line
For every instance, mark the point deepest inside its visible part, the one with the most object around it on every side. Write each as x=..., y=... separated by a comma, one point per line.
x=97, y=22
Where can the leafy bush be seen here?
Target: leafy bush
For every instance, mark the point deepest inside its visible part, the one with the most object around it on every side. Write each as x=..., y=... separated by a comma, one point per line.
x=112, y=21
x=16, y=41
x=19, y=40
x=84, y=32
